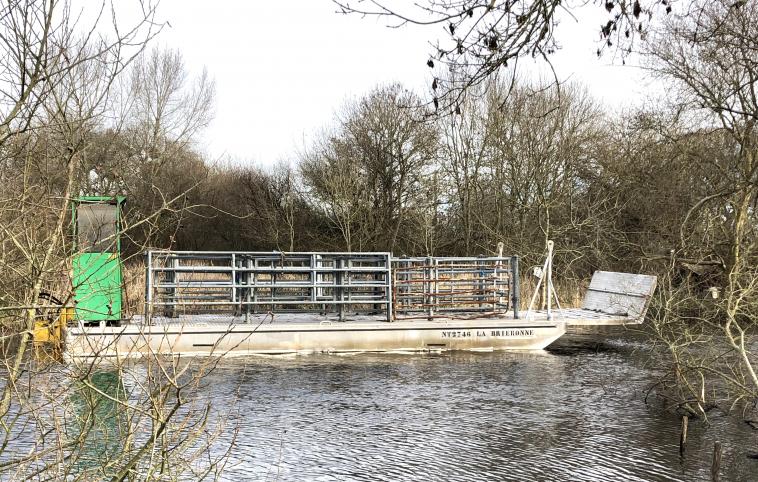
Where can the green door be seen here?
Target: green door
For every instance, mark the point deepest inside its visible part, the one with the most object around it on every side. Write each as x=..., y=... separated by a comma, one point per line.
x=96, y=262
x=97, y=283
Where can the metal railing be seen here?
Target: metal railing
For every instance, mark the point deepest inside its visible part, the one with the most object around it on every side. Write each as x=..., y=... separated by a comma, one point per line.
x=443, y=285
x=195, y=282
x=247, y=283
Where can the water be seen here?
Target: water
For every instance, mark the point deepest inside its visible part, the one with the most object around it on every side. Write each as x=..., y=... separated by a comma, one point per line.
x=575, y=412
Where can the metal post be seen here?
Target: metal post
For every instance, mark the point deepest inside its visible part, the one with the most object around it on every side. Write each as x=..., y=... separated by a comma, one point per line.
x=339, y=293
x=495, y=297
x=436, y=291
x=389, y=298
x=234, y=284
x=481, y=284
x=403, y=292
x=314, y=278
x=255, y=285
x=549, y=280
x=273, y=286
x=452, y=284
x=515, y=289
x=376, y=291
x=172, y=278
x=347, y=279
x=428, y=274
x=248, y=278
x=320, y=280
x=498, y=288
x=149, y=287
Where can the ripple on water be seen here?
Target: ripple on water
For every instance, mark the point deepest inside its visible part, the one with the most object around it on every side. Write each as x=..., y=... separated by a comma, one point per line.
x=573, y=414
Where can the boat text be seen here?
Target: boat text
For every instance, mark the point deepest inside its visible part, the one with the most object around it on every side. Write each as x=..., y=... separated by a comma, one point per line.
x=504, y=333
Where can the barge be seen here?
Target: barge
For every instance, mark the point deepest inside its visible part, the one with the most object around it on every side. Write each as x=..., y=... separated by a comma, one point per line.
x=270, y=303
x=201, y=303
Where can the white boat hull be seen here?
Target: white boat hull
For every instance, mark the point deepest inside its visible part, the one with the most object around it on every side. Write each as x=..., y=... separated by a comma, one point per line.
x=236, y=338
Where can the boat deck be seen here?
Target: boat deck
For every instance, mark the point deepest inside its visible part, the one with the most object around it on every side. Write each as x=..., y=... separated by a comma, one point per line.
x=570, y=316
x=583, y=316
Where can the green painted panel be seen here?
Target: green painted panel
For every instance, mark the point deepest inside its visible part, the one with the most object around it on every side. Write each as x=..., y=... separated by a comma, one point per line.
x=97, y=286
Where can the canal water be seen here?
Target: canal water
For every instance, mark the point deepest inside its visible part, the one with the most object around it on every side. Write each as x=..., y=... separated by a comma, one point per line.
x=574, y=412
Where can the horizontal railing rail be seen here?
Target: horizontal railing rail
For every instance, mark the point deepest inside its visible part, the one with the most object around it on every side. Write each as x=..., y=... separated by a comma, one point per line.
x=247, y=283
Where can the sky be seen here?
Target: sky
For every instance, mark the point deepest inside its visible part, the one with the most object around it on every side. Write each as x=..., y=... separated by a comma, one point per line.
x=282, y=69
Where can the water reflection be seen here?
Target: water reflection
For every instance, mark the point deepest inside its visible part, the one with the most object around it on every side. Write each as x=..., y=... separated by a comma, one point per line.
x=97, y=420
x=574, y=413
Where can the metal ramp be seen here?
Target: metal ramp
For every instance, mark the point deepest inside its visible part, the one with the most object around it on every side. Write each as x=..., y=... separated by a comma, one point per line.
x=621, y=294
x=611, y=299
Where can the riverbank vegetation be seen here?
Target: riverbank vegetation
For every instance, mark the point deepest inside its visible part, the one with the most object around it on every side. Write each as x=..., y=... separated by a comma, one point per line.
x=669, y=189
x=74, y=90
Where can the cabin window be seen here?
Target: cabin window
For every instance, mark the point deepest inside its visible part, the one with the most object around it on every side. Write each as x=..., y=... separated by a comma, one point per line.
x=96, y=227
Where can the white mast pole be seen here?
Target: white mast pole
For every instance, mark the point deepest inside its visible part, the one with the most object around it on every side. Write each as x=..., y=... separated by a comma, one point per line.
x=549, y=279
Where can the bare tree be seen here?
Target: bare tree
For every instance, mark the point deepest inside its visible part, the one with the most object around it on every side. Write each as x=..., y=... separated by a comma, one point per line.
x=272, y=204
x=532, y=155
x=369, y=172
x=712, y=63
x=145, y=149
x=480, y=38
x=336, y=189
x=57, y=82
x=464, y=163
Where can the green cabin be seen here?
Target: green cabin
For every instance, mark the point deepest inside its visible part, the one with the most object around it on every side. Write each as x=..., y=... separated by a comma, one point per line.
x=96, y=263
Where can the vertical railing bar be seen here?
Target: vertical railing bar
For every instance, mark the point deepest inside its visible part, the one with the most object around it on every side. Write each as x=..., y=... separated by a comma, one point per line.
x=273, y=284
x=248, y=278
x=320, y=279
x=339, y=293
x=388, y=278
x=436, y=291
x=494, y=286
x=348, y=282
x=313, y=275
x=376, y=293
x=495, y=278
x=255, y=285
x=174, y=280
x=451, y=283
x=549, y=284
x=515, y=291
x=481, y=298
x=148, y=287
x=234, y=280
x=429, y=273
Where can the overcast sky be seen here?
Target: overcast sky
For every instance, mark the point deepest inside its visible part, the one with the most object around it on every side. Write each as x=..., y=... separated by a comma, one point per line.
x=283, y=68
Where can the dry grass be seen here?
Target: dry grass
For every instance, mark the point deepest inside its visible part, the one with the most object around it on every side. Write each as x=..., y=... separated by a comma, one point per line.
x=570, y=292
x=134, y=288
